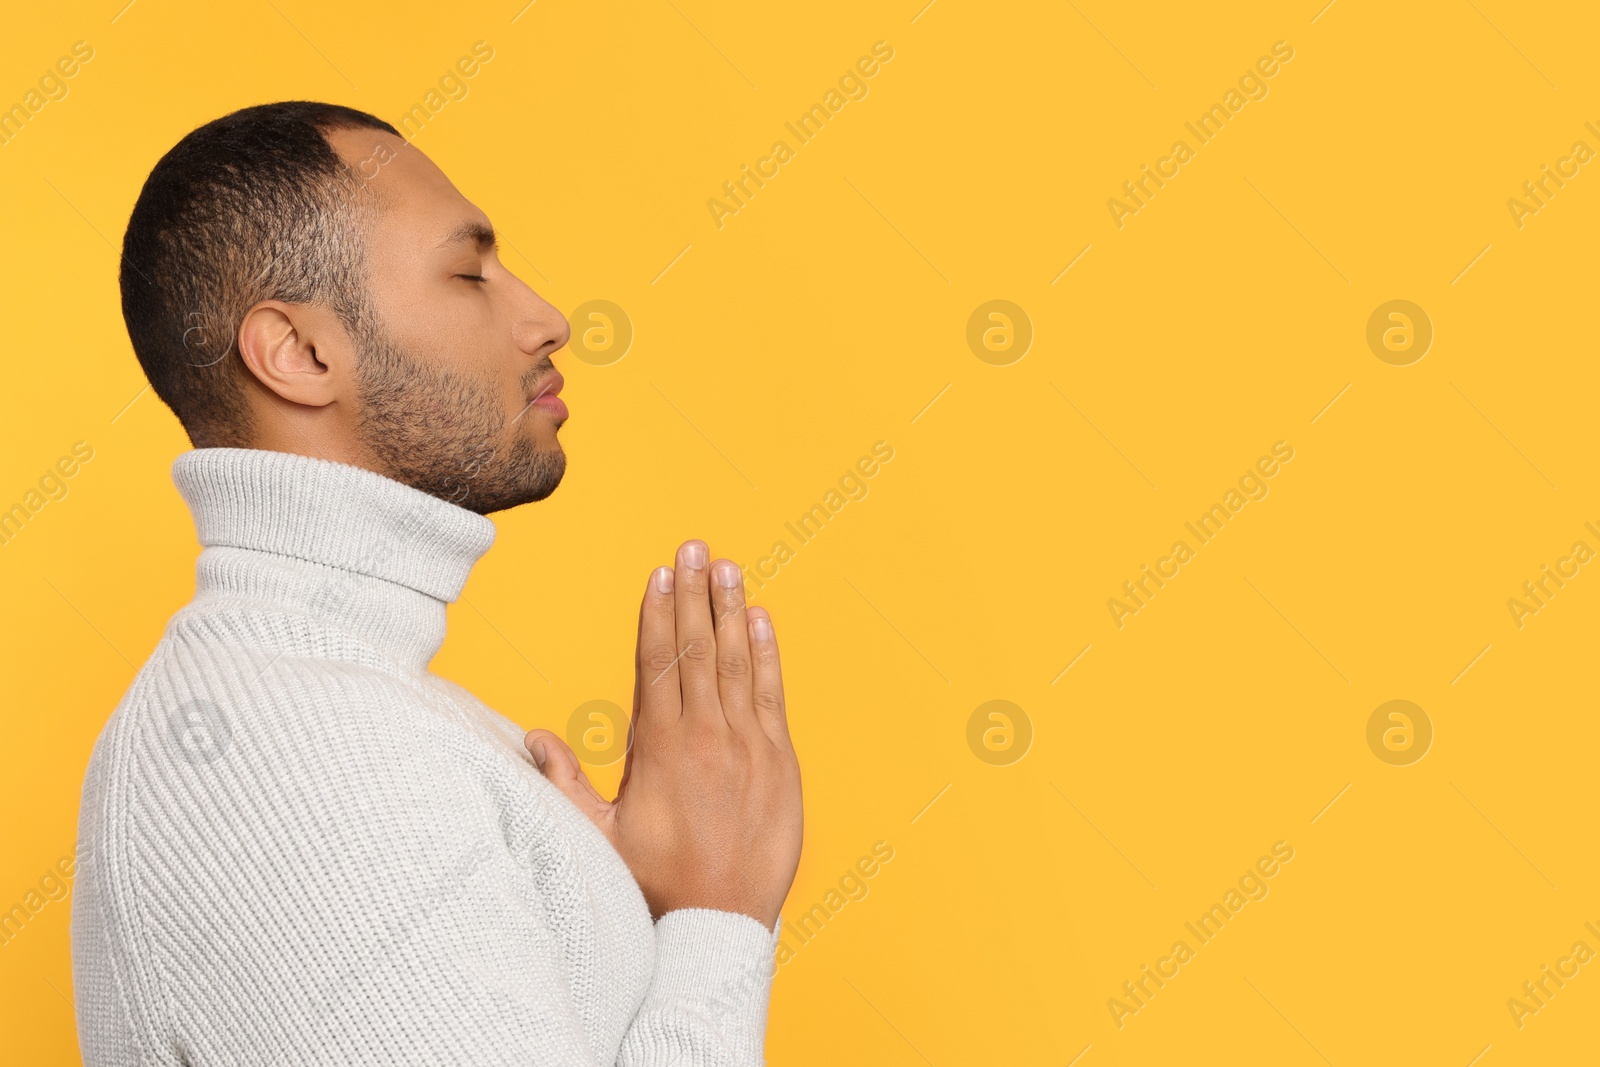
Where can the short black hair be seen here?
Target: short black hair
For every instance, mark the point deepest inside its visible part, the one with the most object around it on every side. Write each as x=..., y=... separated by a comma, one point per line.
x=256, y=205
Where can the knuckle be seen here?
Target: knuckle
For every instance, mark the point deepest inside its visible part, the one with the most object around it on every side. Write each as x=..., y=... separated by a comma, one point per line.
x=770, y=700
x=658, y=658
x=732, y=665
x=703, y=744
x=698, y=651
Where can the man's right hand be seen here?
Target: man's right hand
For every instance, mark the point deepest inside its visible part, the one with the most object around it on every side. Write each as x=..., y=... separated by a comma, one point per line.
x=708, y=813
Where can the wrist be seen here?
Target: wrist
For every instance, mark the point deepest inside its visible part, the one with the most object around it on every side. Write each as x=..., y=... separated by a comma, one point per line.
x=765, y=914
x=720, y=965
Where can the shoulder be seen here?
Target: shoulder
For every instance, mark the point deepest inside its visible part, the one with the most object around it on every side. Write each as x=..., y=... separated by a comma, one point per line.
x=231, y=791
x=213, y=747
x=194, y=702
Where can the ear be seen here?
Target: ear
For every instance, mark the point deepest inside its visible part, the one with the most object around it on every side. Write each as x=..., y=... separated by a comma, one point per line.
x=296, y=351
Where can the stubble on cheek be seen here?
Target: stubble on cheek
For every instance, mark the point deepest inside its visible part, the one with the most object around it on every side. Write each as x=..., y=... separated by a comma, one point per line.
x=450, y=437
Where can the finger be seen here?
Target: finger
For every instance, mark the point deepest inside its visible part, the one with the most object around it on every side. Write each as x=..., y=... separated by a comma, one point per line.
x=557, y=763
x=657, y=680
x=638, y=687
x=733, y=645
x=767, y=677
x=697, y=644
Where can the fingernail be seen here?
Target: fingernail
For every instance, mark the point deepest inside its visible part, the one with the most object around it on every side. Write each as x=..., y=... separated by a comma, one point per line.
x=662, y=579
x=538, y=754
x=694, y=555
x=727, y=575
x=762, y=627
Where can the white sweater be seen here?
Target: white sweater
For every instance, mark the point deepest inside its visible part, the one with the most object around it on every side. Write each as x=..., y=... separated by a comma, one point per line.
x=299, y=846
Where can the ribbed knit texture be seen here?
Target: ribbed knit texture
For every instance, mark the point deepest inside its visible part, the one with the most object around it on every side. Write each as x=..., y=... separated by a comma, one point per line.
x=299, y=846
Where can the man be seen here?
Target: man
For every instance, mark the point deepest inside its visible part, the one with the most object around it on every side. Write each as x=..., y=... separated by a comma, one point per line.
x=298, y=845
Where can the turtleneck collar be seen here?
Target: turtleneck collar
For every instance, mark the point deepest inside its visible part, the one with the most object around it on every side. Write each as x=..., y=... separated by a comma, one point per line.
x=364, y=552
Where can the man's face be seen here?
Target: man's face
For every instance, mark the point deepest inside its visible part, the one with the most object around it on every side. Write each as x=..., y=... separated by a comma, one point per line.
x=457, y=393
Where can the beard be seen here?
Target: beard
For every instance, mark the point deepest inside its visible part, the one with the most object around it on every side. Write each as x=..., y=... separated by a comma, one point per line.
x=445, y=433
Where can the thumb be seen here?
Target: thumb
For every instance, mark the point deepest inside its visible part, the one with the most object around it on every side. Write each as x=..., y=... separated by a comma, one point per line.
x=561, y=768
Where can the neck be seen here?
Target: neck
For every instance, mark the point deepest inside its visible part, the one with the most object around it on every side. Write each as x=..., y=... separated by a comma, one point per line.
x=368, y=555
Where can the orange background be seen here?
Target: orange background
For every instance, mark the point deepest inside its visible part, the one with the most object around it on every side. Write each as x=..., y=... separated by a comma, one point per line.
x=831, y=311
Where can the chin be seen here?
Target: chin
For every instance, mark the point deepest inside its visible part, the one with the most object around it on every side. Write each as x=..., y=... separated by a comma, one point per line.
x=539, y=473
x=529, y=475
x=553, y=469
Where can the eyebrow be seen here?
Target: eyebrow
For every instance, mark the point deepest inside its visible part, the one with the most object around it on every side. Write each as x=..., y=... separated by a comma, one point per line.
x=474, y=231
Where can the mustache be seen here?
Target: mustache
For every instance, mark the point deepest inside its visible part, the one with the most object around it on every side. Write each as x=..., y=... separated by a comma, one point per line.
x=545, y=366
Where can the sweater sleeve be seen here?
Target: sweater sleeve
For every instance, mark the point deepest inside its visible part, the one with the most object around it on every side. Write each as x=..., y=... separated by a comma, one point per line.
x=324, y=890
x=707, y=1003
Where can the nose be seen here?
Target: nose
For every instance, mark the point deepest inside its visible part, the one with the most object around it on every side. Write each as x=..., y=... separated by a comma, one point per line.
x=540, y=329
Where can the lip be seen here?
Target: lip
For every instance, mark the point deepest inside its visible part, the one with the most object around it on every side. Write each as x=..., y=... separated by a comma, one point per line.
x=548, y=397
